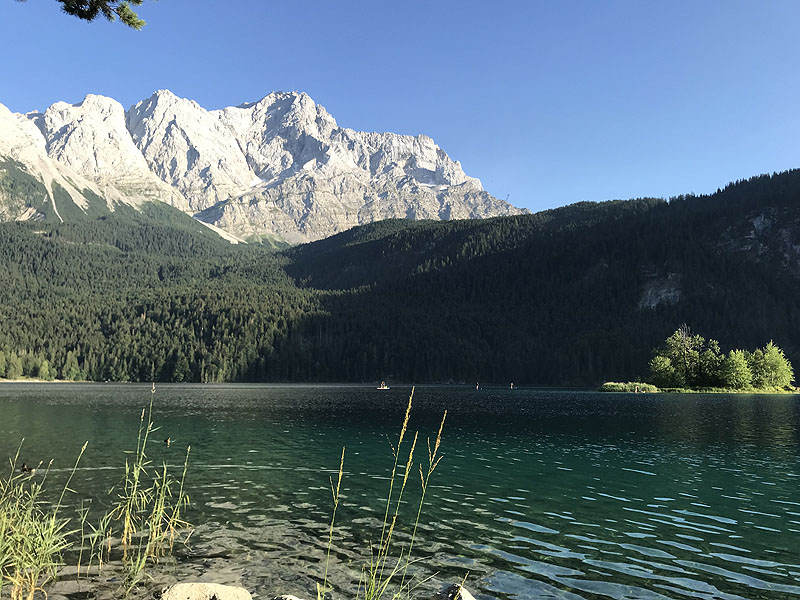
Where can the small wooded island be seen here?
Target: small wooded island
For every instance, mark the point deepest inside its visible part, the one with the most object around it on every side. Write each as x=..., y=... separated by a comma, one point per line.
x=689, y=363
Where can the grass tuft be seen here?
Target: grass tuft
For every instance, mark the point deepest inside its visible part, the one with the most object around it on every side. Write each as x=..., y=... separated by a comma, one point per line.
x=386, y=574
x=146, y=518
x=33, y=534
x=321, y=591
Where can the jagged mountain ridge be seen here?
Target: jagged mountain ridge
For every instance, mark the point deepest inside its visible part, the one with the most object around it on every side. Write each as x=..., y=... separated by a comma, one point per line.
x=280, y=167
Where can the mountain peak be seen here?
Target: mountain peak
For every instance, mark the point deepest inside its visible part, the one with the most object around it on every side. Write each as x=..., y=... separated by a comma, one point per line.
x=280, y=166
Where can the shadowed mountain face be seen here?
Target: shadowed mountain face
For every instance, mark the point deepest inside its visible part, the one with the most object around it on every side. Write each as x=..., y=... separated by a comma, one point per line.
x=575, y=295
x=277, y=168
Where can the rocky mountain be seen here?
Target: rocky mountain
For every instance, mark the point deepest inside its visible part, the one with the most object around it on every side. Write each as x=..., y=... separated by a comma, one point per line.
x=277, y=168
x=30, y=180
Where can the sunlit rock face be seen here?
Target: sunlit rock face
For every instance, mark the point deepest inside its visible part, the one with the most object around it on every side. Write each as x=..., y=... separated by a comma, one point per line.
x=279, y=167
x=92, y=140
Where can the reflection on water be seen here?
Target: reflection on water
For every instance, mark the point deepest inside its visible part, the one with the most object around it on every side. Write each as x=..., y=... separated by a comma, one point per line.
x=541, y=494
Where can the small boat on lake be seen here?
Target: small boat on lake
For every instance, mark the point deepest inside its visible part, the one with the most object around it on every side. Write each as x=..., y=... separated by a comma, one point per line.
x=383, y=386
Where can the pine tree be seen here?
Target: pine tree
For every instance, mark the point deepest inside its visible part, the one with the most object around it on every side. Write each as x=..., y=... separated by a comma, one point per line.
x=71, y=370
x=13, y=366
x=45, y=372
x=89, y=10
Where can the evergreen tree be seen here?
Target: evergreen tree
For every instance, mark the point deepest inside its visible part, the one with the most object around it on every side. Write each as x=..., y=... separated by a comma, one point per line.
x=13, y=366
x=501, y=299
x=45, y=372
x=181, y=371
x=89, y=10
x=71, y=371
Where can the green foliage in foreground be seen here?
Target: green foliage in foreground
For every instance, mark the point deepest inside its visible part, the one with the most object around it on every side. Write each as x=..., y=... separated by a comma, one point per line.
x=141, y=526
x=146, y=517
x=689, y=361
x=386, y=575
x=89, y=10
x=33, y=534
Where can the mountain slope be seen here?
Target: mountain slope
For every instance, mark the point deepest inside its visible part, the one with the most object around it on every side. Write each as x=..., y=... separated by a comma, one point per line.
x=581, y=293
x=569, y=296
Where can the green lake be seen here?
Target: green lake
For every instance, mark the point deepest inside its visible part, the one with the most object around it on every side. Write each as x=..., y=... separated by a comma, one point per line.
x=540, y=494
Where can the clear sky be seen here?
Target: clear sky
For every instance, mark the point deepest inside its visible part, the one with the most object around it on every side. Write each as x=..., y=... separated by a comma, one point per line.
x=547, y=102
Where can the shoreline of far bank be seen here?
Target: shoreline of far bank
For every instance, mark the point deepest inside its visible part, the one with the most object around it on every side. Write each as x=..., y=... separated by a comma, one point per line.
x=629, y=387
x=635, y=387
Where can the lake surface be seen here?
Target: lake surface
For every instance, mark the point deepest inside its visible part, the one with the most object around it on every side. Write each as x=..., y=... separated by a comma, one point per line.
x=540, y=494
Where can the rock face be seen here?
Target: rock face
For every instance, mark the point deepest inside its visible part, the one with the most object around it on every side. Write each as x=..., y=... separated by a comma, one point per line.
x=91, y=139
x=279, y=167
x=23, y=150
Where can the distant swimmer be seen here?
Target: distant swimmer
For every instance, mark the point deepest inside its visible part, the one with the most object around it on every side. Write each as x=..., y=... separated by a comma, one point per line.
x=167, y=442
x=26, y=469
x=477, y=386
x=512, y=385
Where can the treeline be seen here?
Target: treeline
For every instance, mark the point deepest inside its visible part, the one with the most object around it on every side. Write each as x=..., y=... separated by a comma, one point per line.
x=575, y=295
x=690, y=361
x=12, y=366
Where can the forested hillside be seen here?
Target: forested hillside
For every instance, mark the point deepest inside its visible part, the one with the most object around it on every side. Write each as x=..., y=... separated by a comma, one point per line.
x=574, y=295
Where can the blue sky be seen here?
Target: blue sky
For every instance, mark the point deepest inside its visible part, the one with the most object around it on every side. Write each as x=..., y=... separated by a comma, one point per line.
x=548, y=103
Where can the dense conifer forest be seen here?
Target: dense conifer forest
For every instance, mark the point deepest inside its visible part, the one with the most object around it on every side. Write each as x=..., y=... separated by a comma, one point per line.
x=570, y=296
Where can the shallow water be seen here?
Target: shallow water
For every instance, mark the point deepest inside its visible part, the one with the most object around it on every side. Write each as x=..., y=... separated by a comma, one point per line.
x=541, y=493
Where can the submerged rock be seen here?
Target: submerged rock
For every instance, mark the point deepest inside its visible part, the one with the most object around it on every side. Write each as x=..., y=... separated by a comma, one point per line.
x=204, y=591
x=454, y=592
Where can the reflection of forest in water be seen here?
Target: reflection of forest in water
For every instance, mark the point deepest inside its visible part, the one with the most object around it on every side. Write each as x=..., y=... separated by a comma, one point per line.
x=770, y=422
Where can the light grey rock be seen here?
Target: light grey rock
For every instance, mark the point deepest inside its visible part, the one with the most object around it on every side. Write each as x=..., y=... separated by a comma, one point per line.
x=91, y=139
x=281, y=167
x=204, y=591
x=454, y=592
x=23, y=147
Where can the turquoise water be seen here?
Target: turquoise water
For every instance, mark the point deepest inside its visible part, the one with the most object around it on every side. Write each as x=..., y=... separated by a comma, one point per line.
x=541, y=493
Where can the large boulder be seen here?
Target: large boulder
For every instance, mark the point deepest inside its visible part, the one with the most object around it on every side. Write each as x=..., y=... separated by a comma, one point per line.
x=204, y=591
